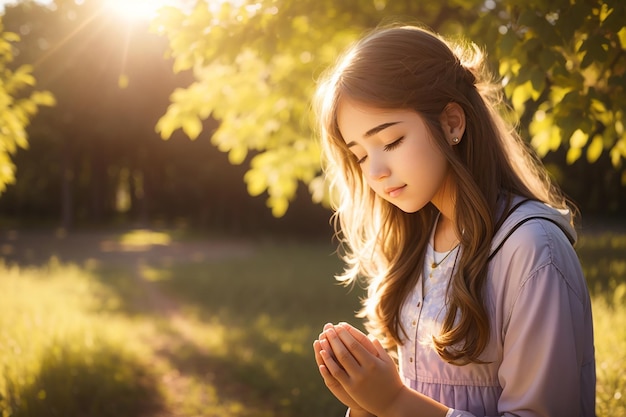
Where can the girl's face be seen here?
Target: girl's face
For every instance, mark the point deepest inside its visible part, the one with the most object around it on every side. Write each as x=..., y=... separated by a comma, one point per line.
x=397, y=155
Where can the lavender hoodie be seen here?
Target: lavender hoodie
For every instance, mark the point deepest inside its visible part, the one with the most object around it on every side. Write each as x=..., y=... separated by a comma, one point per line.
x=540, y=353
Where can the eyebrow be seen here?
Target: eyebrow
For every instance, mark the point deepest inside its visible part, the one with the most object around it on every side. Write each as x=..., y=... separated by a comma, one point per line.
x=374, y=130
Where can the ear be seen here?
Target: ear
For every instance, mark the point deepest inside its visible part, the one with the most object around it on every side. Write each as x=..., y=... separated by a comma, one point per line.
x=453, y=122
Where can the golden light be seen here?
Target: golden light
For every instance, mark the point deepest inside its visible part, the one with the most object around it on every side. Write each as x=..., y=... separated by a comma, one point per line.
x=136, y=9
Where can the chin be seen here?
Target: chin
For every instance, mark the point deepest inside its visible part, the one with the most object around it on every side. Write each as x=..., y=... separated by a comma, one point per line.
x=409, y=208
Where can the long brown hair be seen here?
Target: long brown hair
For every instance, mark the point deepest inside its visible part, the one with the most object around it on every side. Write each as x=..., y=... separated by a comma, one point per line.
x=408, y=67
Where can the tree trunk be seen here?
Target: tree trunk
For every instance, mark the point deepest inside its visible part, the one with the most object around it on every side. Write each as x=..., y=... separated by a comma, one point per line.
x=67, y=179
x=97, y=187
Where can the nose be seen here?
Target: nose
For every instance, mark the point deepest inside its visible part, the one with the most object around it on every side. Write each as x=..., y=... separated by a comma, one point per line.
x=378, y=169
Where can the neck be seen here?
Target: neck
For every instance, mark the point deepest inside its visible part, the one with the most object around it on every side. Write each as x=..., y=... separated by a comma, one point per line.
x=445, y=237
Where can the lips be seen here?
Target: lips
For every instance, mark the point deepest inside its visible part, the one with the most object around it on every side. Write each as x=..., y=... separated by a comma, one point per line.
x=394, y=191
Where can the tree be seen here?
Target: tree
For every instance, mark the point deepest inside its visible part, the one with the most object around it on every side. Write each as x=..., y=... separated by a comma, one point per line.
x=95, y=157
x=255, y=65
x=111, y=85
x=565, y=71
x=256, y=86
x=16, y=107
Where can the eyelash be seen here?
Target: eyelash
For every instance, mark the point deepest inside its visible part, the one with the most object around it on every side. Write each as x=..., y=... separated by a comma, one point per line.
x=393, y=145
x=390, y=147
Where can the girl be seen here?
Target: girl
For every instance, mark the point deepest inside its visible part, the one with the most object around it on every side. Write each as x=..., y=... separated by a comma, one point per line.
x=466, y=245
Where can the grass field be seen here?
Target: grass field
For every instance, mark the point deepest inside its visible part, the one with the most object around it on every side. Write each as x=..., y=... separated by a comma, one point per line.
x=145, y=324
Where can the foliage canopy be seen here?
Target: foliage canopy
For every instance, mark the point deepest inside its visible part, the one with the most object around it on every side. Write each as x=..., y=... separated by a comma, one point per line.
x=255, y=64
x=17, y=107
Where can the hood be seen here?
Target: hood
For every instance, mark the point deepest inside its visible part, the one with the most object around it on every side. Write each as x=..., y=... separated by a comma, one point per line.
x=523, y=210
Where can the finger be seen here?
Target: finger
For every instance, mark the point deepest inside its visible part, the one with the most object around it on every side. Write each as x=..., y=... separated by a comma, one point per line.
x=330, y=381
x=342, y=354
x=382, y=352
x=320, y=345
x=356, y=349
x=333, y=367
x=317, y=347
x=361, y=337
x=325, y=345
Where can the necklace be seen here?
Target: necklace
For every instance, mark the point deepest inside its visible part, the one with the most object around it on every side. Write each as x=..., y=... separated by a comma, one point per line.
x=434, y=265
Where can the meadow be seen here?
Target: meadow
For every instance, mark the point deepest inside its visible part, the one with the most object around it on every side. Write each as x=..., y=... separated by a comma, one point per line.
x=155, y=324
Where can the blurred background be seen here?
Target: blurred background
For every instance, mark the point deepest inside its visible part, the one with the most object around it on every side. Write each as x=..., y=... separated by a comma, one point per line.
x=164, y=233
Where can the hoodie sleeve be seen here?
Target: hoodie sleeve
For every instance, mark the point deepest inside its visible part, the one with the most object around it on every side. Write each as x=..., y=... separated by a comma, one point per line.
x=543, y=363
x=540, y=372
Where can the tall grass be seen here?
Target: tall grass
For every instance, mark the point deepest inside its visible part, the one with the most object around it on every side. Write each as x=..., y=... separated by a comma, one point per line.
x=61, y=353
x=227, y=337
x=603, y=256
x=610, y=340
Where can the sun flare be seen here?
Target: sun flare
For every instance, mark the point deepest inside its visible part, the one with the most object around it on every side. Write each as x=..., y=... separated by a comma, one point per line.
x=136, y=9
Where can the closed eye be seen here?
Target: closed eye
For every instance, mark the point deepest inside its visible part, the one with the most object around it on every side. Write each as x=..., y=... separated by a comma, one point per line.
x=393, y=145
x=389, y=147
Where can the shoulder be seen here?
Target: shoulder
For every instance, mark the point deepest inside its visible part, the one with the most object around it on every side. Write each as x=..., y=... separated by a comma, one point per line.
x=533, y=228
x=535, y=243
x=530, y=248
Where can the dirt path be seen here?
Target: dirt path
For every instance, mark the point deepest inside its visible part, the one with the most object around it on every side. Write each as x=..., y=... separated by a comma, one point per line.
x=37, y=247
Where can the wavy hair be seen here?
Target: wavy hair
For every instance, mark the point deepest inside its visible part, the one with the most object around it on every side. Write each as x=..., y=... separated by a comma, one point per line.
x=408, y=67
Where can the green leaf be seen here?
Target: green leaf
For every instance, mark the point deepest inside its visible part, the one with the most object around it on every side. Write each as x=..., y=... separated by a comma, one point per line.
x=572, y=19
x=237, y=154
x=546, y=32
x=508, y=43
x=595, y=149
x=318, y=188
x=573, y=154
x=528, y=18
x=594, y=49
x=278, y=205
x=578, y=139
x=568, y=122
x=255, y=181
x=614, y=21
x=167, y=124
x=546, y=59
x=538, y=83
x=10, y=37
x=521, y=94
x=618, y=152
x=192, y=126
x=43, y=98
x=622, y=36
x=545, y=136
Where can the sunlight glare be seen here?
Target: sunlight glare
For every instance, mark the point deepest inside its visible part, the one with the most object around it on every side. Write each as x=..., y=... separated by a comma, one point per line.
x=136, y=9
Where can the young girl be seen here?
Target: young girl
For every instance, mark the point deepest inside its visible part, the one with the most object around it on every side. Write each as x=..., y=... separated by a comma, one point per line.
x=466, y=245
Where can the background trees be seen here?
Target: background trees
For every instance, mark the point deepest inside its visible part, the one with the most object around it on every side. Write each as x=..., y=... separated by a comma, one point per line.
x=237, y=78
x=17, y=106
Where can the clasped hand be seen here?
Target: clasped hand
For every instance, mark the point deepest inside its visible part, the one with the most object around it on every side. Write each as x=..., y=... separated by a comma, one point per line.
x=357, y=370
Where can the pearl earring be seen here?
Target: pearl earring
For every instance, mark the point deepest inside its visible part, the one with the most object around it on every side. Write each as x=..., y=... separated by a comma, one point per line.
x=455, y=139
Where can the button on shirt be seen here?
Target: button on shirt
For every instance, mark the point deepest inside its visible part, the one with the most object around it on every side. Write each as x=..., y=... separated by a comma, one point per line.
x=424, y=311
x=421, y=368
